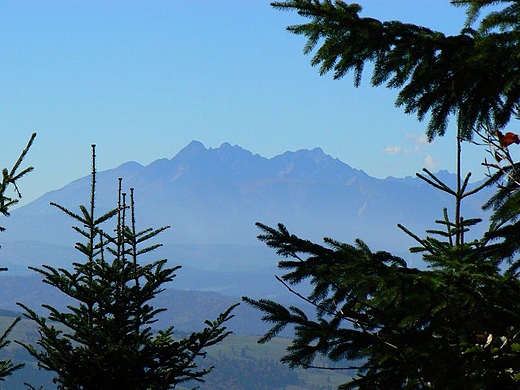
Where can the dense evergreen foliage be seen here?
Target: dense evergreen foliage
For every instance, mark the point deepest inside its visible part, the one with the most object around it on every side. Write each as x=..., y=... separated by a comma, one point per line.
x=10, y=178
x=456, y=323
x=473, y=75
x=105, y=340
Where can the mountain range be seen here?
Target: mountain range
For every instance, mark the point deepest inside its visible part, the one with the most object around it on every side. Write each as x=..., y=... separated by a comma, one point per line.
x=211, y=199
x=215, y=196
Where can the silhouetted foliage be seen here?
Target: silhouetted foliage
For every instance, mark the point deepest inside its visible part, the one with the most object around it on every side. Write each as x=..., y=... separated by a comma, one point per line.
x=474, y=76
x=105, y=340
x=10, y=178
x=455, y=324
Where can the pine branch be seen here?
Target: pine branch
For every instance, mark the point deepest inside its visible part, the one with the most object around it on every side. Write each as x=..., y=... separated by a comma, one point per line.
x=11, y=177
x=436, y=182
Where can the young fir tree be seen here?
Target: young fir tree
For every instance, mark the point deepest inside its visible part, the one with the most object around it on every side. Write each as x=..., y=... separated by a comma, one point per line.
x=105, y=339
x=455, y=324
x=10, y=178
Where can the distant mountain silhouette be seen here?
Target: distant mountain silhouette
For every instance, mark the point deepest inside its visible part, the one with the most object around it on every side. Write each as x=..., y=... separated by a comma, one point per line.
x=212, y=198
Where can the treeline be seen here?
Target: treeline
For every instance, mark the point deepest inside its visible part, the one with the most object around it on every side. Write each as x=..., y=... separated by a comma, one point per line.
x=248, y=374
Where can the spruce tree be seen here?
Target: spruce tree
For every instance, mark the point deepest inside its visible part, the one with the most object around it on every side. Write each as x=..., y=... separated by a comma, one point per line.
x=10, y=178
x=472, y=76
x=455, y=324
x=105, y=340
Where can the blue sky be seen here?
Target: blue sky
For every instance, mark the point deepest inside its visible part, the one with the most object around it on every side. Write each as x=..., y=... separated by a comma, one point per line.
x=141, y=79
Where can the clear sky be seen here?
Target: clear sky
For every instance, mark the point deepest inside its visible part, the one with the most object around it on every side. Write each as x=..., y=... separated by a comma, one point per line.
x=141, y=79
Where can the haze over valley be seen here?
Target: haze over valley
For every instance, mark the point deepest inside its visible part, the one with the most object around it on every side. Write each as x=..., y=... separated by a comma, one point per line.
x=212, y=198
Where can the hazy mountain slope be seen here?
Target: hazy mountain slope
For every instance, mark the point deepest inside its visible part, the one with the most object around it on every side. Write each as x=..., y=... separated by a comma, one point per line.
x=216, y=196
x=187, y=309
x=212, y=198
